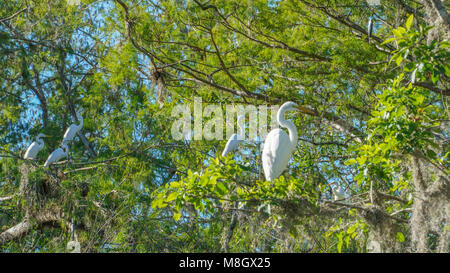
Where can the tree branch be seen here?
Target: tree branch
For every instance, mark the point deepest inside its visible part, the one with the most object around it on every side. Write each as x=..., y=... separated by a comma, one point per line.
x=6, y=198
x=445, y=92
x=14, y=15
x=25, y=226
x=71, y=105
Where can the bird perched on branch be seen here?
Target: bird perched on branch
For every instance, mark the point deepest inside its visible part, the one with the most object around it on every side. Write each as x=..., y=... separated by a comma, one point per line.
x=74, y=129
x=279, y=146
x=235, y=139
x=57, y=154
x=338, y=192
x=35, y=147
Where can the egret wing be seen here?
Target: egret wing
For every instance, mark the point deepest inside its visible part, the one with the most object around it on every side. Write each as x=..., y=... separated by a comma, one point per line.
x=32, y=151
x=70, y=132
x=276, y=153
x=55, y=156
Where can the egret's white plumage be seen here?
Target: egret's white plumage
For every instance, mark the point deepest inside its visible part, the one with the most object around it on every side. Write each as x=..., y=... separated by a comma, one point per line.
x=410, y=197
x=276, y=153
x=235, y=139
x=338, y=193
x=57, y=154
x=35, y=147
x=73, y=129
x=279, y=146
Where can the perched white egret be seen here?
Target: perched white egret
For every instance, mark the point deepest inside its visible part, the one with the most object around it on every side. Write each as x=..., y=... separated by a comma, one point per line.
x=57, y=154
x=338, y=193
x=235, y=139
x=279, y=146
x=74, y=129
x=35, y=147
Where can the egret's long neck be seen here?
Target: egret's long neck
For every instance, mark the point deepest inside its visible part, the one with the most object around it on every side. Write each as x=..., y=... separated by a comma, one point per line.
x=40, y=141
x=80, y=119
x=293, y=137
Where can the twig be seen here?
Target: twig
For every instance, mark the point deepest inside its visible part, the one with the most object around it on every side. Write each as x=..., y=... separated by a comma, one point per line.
x=14, y=15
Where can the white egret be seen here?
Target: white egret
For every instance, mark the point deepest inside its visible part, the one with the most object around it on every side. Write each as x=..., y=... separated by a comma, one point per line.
x=235, y=139
x=57, y=154
x=338, y=192
x=279, y=146
x=74, y=129
x=35, y=147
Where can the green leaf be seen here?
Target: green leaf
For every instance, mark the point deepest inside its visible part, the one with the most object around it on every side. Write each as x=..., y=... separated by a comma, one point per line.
x=409, y=22
x=221, y=188
x=400, y=237
x=397, y=33
x=177, y=216
x=402, y=30
x=445, y=44
x=351, y=161
x=293, y=232
x=431, y=154
x=399, y=60
x=361, y=160
x=340, y=242
x=347, y=240
x=352, y=229
x=172, y=196
x=435, y=78
x=389, y=40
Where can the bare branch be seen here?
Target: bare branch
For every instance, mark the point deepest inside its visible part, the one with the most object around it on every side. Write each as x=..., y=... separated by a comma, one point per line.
x=14, y=15
x=6, y=198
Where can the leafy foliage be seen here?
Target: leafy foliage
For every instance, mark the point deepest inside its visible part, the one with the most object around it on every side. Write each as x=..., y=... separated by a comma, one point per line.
x=380, y=105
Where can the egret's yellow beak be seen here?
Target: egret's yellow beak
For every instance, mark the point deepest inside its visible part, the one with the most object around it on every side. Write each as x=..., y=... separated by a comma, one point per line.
x=306, y=110
x=331, y=184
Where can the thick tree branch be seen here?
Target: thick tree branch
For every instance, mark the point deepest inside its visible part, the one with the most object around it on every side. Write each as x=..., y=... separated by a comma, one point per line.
x=71, y=106
x=6, y=198
x=37, y=90
x=24, y=227
x=445, y=92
